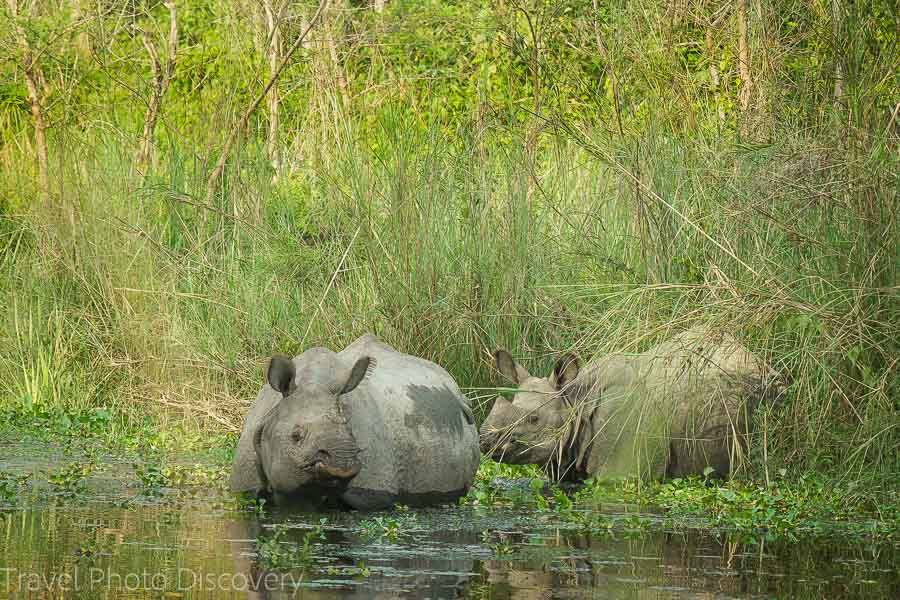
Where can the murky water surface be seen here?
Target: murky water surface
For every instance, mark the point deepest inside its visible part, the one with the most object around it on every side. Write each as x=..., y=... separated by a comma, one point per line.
x=116, y=535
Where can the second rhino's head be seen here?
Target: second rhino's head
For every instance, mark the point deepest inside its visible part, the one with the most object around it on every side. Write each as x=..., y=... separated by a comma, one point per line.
x=306, y=437
x=527, y=429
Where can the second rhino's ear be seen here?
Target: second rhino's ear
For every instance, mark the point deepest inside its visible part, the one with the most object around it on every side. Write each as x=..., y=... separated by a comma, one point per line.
x=357, y=373
x=509, y=368
x=281, y=374
x=565, y=371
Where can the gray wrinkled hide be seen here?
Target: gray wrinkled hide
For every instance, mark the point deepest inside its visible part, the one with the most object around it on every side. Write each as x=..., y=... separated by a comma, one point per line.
x=677, y=409
x=681, y=407
x=414, y=427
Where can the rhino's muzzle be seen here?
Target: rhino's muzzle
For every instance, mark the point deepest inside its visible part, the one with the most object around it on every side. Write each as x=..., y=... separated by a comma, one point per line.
x=503, y=453
x=488, y=441
x=325, y=471
x=495, y=444
x=324, y=467
x=492, y=445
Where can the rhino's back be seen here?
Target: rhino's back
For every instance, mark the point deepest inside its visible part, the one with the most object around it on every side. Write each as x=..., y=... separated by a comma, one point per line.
x=703, y=379
x=691, y=393
x=414, y=427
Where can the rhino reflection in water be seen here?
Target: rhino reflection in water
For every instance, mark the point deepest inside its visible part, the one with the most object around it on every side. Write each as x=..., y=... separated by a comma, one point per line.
x=689, y=565
x=365, y=427
x=331, y=575
x=679, y=409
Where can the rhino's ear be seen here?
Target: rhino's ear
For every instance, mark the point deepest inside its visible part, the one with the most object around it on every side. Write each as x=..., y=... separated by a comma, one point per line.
x=565, y=371
x=509, y=368
x=357, y=373
x=281, y=374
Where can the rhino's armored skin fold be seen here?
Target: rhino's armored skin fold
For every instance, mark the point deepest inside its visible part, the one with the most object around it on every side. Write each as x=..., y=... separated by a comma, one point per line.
x=367, y=427
x=684, y=407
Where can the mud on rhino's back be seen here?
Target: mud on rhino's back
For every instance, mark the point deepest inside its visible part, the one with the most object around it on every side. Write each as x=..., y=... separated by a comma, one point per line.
x=414, y=427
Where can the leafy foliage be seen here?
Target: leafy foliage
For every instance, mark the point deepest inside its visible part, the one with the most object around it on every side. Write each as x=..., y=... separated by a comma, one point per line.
x=544, y=175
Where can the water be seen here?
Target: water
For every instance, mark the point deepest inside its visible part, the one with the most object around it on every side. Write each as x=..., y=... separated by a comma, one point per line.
x=113, y=537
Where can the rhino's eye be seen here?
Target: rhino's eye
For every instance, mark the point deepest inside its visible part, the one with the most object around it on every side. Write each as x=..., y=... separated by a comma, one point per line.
x=533, y=419
x=297, y=434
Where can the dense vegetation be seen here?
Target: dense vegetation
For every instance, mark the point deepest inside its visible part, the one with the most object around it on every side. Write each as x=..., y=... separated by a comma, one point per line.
x=455, y=176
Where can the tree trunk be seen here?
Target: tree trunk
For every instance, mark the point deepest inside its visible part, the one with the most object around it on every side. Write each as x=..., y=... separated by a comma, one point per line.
x=764, y=82
x=82, y=40
x=162, y=76
x=614, y=80
x=273, y=53
x=714, y=78
x=837, y=22
x=335, y=29
x=34, y=83
x=743, y=57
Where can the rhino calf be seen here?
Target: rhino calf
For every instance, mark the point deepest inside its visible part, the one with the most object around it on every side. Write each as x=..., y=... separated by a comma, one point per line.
x=366, y=427
x=678, y=409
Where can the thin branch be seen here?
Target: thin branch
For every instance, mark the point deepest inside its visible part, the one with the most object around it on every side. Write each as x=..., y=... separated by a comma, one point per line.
x=216, y=174
x=162, y=77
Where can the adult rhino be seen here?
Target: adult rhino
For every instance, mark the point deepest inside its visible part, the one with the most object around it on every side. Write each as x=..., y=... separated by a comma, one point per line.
x=679, y=409
x=367, y=426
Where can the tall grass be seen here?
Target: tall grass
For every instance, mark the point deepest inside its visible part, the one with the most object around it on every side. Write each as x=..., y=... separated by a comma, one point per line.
x=141, y=298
